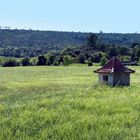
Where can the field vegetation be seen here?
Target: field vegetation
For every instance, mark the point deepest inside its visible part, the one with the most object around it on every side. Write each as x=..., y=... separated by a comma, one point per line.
x=66, y=103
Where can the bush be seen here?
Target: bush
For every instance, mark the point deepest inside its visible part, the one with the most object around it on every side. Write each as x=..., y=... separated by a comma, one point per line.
x=41, y=60
x=50, y=59
x=2, y=60
x=33, y=61
x=112, y=52
x=82, y=58
x=96, y=57
x=90, y=63
x=67, y=60
x=11, y=63
x=103, y=61
x=125, y=58
x=55, y=63
x=123, y=51
x=60, y=59
x=25, y=62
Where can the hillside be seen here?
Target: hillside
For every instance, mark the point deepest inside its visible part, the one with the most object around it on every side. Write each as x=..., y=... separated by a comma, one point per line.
x=52, y=40
x=31, y=42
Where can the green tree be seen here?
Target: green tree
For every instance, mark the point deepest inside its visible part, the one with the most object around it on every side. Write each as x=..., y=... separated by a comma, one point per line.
x=56, y=63
x=33, y=61
x=138, y=53
x=92, y=41
x=41, y=60
x=123, y=51
x=11, y=63
x=112, y=52
x=81, y=58
x=103, y=61
x=90, y=63
x=96, y=57
x=25, y=62
x=60, y=59
x=51, y=58
x=67, y=60
x=1, y=61
x=134, y=54
x=102, y=48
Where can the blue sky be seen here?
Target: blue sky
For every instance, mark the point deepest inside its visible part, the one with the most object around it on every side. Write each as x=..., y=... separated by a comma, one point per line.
x=72, y=15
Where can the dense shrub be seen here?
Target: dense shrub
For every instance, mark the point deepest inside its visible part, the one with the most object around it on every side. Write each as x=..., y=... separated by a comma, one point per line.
x=11, y=63
x=112, y=52
x=82, y=58
x=41, y=60
x=33, y=61
x=2, y=60
x=25, y=62
x=123, y=51
x=90, y=63
x=96, y=57
x=67, y=60
x=55, y=63
x=103, y=61
x=50, y=59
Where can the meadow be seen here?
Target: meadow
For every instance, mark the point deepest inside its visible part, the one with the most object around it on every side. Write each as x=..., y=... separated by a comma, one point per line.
x=66, y=103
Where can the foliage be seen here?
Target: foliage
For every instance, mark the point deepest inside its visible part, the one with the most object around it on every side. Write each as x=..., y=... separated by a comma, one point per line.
x=103, y=48
x=55, y=63
x=50, y=59
x=138, y=53
x=93, y=47
x=90, y=63
x=30, y=43
x=123, y=51
x=41, y=60
x=92, y=41
x=2, y=60
x=112, y=52
x=25, y=62
x=11, y=63
x=82, y=58
x=96, y=57
x=125, y=58
x=103, y=61
x=67, y=60
x=33, y=61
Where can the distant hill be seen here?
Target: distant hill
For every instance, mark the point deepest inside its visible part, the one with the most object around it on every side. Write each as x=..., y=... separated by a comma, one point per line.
x=52, y=40
x=44, y=41
x=119, y=38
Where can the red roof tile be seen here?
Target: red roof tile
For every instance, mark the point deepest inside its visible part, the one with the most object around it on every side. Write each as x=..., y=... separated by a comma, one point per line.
x=114, y=65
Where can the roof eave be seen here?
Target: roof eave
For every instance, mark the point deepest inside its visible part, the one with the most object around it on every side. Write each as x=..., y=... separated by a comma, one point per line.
x=102, y=72
x=96, y=71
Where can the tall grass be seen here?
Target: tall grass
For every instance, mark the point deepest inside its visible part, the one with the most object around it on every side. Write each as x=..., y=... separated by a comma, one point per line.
x=66, y=103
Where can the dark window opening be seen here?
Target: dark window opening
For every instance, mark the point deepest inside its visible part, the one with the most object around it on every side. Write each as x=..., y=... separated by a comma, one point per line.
x=105, y=78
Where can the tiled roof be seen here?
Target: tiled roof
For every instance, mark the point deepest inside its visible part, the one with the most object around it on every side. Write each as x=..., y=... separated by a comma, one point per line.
x=114, y=65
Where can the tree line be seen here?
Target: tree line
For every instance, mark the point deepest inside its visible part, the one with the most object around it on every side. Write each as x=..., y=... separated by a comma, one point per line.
x=93, y=51
x=31, y=43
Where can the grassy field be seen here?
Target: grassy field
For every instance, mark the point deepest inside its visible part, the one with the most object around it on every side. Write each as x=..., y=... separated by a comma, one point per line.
x=66, y=103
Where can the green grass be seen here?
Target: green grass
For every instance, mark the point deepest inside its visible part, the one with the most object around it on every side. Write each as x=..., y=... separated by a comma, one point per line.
x=66, y=103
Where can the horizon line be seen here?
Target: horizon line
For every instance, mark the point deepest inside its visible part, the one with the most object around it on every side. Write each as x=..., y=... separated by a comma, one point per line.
x=53, y=30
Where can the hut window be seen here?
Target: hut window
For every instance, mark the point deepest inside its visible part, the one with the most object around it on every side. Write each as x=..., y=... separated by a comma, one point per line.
x=105, y=77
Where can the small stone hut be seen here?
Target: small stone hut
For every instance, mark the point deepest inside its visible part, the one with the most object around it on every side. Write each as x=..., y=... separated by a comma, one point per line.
x=114, y=73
